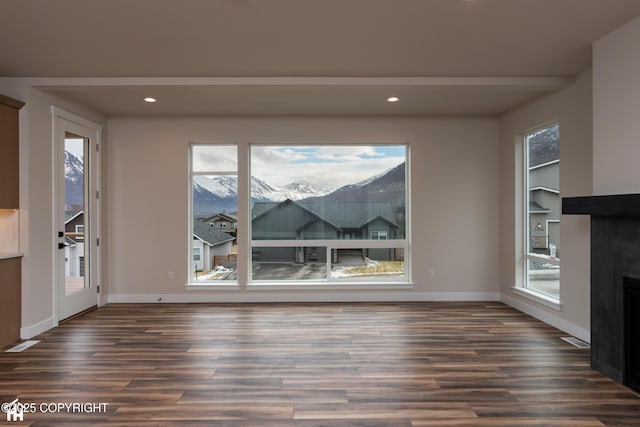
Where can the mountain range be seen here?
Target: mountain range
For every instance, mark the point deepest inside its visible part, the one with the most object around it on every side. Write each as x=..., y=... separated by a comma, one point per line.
x=212, y=195
x=215, y=194
x=225, y=187
x=544, y=146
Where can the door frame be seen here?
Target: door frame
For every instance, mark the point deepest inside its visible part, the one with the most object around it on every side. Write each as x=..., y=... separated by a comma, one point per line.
x=63, y=121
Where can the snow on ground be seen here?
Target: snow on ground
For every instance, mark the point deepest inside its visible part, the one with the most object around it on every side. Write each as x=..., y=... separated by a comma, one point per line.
x=219, y=273
x=308, y=271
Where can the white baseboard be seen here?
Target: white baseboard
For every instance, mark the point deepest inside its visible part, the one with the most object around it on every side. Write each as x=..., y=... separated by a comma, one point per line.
x=27, y=332
x=547, y=317
x=302, y=297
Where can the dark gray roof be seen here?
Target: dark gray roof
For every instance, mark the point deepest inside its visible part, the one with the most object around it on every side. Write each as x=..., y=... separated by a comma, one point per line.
x=229, y=216
x=351, y=214
x=261, y=207
x=340, y=214
x=209, y=234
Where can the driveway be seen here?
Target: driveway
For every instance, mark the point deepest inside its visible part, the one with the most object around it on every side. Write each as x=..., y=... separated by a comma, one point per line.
x=289, y=271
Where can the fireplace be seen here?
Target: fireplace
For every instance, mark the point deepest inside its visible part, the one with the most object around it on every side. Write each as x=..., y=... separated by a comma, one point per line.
x=615, y=283
x=632, y=332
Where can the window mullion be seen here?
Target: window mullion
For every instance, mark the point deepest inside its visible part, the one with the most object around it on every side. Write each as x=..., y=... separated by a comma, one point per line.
x=244, y=215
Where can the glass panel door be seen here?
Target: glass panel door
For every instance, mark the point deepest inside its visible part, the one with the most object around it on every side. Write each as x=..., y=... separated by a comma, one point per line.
x=75, y=212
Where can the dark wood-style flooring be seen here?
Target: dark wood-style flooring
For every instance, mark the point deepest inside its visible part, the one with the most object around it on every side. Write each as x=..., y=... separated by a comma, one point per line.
x=391, y=365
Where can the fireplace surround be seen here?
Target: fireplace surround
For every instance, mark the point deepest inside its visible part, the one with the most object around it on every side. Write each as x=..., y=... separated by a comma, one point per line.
x=615, y=282
x=632, y=332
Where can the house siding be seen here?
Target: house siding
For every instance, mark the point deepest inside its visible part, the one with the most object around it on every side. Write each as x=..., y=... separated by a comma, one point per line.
x=548, y=177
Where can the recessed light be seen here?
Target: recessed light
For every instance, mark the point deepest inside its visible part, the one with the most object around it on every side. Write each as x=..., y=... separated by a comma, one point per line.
x=393, y=99
x=150, y=99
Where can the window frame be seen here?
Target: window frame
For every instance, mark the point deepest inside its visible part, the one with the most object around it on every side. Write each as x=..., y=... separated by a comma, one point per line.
x=192, y=263
x=246, y=244
x=332, y=244
x=523, y=287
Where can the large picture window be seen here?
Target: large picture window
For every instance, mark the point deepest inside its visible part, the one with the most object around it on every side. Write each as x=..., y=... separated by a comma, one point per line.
x=542, y=207
x=314, y=214
x=309, y=204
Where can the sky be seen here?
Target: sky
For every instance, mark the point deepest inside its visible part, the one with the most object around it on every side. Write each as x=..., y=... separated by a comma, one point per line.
x=75, y=146
x=329, y=165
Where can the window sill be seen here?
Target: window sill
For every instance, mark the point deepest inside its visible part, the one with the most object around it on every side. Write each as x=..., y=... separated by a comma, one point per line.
x=538, y=297
x=295, y=286
x=279, y=286
x=209, y=286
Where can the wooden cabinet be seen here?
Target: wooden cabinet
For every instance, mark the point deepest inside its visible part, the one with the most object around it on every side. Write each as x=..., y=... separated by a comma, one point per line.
x=9, y=153
x=10, y=300
x=10, y=267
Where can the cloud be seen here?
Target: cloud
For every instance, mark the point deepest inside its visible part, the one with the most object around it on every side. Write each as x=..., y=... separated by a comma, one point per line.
x=273, y=156
x=332, y=166
x=347, y=153
x=215, y=158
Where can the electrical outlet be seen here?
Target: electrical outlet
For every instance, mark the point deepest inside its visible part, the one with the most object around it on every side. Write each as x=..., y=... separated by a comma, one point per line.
x=432, y=273
x=170, y=275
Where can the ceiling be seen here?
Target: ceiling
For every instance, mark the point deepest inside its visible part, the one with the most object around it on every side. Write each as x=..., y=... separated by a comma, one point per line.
x=312, y=96
x=285, y=56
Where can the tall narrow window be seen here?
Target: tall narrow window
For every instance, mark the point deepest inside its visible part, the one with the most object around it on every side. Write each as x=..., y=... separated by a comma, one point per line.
x=542, y=207
x=214, y=209
x=328, y=213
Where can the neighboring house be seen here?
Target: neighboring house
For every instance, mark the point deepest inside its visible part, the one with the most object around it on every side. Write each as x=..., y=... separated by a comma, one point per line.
x=74, y=226
x=208, y=243
x=315, y=220
x=224, y=222
x=74, y=249
x=544, y=207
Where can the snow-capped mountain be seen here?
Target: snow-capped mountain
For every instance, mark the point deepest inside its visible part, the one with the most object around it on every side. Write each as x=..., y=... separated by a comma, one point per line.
x=261, y=191
x=220, y=192
x=366, y=181
x=299, y=190
x=221, y=186
x=387, y=187
x=73, y=179
x=73, y=168
x=212, y=195
x=226, y=187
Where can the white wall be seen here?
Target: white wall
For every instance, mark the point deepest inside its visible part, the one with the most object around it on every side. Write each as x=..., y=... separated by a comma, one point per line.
x=454, y=199
x=570, y=107
x=36, y=198
x=616, y=111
